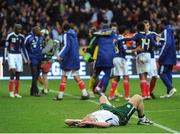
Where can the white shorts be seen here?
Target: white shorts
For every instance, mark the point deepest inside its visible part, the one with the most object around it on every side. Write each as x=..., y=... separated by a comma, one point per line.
x=70, y=73
x=120, y=67
x=143, y=61
x=153, y=68
x=15, y=61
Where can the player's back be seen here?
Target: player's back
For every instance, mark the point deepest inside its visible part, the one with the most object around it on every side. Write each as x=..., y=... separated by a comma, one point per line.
x=106, y=51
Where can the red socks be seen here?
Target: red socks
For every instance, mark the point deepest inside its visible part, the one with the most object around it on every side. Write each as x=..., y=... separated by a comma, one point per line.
x=126, y=88
x=143, y=85
x=16, y=86
x=113, y=89
x=62, y=86
x=81, y=84
x=152, y=85
x=11, y=85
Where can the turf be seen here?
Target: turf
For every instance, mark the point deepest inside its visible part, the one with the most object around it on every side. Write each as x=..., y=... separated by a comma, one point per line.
x=42, y=114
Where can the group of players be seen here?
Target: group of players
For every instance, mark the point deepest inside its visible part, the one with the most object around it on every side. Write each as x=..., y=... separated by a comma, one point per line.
x=113, y=61
x=107, y=52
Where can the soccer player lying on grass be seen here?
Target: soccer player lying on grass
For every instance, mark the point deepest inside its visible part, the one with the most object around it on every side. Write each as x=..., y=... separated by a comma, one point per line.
x=112, y=116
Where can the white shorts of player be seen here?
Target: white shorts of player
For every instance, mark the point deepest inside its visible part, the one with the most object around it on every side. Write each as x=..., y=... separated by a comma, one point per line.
x=106, y=116
x=15, y=61
x=70, y=73
x=143, y=63
x=120, y=67
x=153, y=68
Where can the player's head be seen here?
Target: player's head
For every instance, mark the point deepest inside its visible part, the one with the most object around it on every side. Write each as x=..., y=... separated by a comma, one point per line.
x=104, y=25
x=17, y=28
x=36, y=30
x=114, y=27
x=66, y=26
x=164, y=22
x=147, y=25
x=140, y=27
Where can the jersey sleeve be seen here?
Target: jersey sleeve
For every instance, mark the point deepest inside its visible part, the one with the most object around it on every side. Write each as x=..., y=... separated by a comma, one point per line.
x=65, y=48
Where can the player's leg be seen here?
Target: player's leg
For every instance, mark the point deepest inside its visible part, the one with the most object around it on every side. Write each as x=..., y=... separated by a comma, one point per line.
x=45, y=79
x=35, y=71
x=62, y=86
x=152, y=86
x=45, y=69
x=12, y=70
x=165, y=72
x=143, y=84
x=137, y=102
x=16, y=93
x=103, y=99
x=126, y=87
x=114, y=85
x=11, y=82
x=153, y=75
x=92, y=80
x=116, y=73
x=81, y=86
x=104, y=81
x=19, y=69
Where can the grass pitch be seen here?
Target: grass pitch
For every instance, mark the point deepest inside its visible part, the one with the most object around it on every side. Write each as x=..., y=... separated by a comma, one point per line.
x=42, y=114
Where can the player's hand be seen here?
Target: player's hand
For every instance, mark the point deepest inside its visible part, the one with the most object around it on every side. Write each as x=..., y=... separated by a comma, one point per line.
x=59, y=58
x=4, y=62
x=28, y=62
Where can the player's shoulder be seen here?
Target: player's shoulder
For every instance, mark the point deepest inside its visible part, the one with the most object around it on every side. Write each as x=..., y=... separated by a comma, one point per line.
x=21, y=36
x=11, y=34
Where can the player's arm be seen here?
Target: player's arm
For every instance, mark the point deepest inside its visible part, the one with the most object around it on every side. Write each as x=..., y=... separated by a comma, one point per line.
x=64, y=50
x=90, y=50
x=5, y=49
x=94, y=124
x=26, y=47
x=165, y=46
x=24, y=52
x=133, y=38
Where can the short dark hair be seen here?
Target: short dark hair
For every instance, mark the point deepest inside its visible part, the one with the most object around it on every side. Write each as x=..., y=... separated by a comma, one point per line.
x=18, y=26
x=66, y=26
x=140, y=27
x=145, y=21
x=165, y=22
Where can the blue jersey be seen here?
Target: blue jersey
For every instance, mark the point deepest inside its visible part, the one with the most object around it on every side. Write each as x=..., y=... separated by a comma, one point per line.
x=106, y=51
x=70, y=51
x=168, y=52
x=33, y=46
x=120, y=48
x=14, y=43
x=143, y=41
x=153, y=36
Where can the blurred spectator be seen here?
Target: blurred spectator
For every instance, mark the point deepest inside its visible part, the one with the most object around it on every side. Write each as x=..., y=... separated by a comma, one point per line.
x=47, y=13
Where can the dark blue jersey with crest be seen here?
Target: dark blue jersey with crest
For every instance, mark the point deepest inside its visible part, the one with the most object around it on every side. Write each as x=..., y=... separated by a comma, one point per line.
x=33, y=46
x=14, y=43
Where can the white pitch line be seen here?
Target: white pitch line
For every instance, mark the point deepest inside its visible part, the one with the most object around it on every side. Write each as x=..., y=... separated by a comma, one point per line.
x=161, y=111
x=154, y=124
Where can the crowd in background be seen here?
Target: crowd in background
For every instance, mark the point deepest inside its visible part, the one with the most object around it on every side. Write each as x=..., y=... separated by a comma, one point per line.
x=83, y=14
